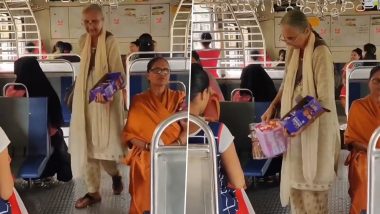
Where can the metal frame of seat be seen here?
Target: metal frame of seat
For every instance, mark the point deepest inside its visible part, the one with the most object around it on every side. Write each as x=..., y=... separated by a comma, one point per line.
x=373, y=156
x=51, y=67
x=202, y=192
x=38, y=148
x=168, y=171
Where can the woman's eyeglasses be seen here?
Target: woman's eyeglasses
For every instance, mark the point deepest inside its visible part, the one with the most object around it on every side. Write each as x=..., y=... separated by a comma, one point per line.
x=290, y=39
x=376, y=81
x=162, y=71
x=89, y=22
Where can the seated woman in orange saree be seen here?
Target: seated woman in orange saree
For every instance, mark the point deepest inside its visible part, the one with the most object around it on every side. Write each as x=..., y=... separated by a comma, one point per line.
x=147, y=110
x=363, y=119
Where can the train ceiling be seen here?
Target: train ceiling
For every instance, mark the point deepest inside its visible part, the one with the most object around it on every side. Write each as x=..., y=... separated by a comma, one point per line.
x=319, y=8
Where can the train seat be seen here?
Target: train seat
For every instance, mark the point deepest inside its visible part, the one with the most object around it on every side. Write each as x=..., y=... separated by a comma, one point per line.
x=237, y=117
x=26, y=123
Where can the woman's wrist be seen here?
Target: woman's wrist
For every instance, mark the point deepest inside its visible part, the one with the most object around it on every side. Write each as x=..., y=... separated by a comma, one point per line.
x=273, y=105
x=147, y=147
x=178, y=141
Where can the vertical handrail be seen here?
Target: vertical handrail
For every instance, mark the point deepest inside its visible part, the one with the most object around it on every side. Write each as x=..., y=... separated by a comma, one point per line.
x=372, y=155
x=154, y=147
x=212, y=143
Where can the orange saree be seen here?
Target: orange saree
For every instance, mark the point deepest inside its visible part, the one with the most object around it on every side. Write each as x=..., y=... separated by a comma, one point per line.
x=212, y=111
x=363, y=119
x=145, y=113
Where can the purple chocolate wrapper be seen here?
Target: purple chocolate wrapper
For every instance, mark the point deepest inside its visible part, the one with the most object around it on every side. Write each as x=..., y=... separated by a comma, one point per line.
x=108, y=85
x=304, y=113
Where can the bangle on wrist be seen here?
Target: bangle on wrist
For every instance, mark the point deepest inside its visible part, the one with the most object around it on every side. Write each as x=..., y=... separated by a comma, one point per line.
x=179, y=141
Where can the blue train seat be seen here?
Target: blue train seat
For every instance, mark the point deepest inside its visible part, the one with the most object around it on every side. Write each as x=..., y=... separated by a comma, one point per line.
x=26, y=124
x=237, y=117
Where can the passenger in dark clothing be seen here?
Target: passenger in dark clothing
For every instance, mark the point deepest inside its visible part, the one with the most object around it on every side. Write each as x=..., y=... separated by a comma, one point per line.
x=146, y=44
x=66, y=49
x=57, y=47
x=370, y=54
x=256, y=79
x=29, y=73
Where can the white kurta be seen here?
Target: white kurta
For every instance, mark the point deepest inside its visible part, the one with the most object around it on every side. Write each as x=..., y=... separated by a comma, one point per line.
x=95, y=130
x=309, y=162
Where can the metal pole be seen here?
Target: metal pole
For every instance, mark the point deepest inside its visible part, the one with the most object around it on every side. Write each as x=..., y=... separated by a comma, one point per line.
x=372, y=154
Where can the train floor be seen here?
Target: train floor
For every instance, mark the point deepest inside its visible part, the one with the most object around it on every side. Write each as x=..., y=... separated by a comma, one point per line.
x=59, y=198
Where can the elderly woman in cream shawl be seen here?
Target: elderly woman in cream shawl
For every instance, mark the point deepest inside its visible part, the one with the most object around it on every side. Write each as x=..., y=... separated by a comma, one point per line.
x=95, y=131
x=308, y=168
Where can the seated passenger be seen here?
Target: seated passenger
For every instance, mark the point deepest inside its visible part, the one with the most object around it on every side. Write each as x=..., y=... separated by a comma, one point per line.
x=146, y=44
x=231, y=178
x=66, y=48
x=212, y=111
x=57, y=48
x=133, y=48
x=356, y=54
x=256, y=79
x=370, y=54
x=29, y=73
x=363, y=119
x=281, y=58
x=147, y=110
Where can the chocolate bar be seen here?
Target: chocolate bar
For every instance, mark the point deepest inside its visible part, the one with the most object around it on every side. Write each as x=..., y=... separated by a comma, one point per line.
x=302, y=115
x=107, y=86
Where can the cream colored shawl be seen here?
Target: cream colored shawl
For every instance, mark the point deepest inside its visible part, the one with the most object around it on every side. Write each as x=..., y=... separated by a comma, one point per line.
x=100, y=130
x=317, y=74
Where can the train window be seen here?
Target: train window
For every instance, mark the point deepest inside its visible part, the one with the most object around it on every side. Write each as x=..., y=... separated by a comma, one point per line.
x=8, y=36
x=202, y=17
x=4, y=35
